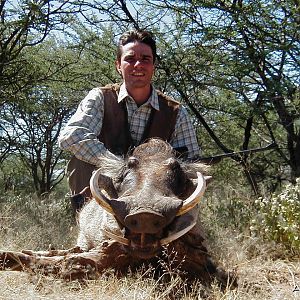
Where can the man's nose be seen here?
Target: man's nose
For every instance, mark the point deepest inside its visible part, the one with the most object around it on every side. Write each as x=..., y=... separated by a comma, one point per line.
x=138, y=63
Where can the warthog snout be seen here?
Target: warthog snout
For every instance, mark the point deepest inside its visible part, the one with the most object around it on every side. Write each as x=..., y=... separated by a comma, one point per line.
x=145, y=222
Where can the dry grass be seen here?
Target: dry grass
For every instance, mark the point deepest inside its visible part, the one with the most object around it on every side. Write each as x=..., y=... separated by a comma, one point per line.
x=258, y=279
x=265, y=270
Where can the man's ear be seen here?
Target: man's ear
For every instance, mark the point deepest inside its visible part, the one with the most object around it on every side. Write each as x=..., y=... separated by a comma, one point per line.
x=118, y=67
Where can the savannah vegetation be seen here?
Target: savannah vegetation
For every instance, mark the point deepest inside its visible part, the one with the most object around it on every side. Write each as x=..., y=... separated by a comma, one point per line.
x=233, y=64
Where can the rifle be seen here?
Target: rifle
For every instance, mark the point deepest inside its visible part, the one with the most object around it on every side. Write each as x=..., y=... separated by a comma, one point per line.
x=236, y=155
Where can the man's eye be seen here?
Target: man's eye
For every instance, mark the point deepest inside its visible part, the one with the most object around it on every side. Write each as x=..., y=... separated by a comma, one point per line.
x=130, y=58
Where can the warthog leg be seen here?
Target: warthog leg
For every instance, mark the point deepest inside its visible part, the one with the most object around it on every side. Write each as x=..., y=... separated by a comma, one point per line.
x=68, y=264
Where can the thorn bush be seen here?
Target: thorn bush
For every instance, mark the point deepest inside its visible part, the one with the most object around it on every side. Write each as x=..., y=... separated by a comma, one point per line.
x=278, y=217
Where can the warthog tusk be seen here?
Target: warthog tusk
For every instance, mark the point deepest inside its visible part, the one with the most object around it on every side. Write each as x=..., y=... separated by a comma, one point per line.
x=176, y=235
x=102, y=200
x=195, y=198
x=162, y=242
x=117, y=238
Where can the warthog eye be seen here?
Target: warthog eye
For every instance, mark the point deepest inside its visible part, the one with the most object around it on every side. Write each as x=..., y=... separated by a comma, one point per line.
x=132, y=162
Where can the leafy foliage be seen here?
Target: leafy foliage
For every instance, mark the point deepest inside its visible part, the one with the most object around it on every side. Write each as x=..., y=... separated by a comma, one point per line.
x=249, y=49
x=278, y=217
x=60, y=75
x=234, y=64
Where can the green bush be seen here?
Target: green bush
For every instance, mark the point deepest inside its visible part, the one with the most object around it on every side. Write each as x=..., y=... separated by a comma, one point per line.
x=278, y=217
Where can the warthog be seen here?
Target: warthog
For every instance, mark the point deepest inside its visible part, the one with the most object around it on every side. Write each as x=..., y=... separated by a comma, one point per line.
x=144, y=207
x=143, y=202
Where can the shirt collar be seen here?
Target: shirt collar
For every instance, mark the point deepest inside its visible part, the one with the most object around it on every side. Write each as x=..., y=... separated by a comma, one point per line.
x=153, y=99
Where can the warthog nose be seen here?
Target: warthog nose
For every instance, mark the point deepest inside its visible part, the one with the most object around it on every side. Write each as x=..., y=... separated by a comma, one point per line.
x=145, y=222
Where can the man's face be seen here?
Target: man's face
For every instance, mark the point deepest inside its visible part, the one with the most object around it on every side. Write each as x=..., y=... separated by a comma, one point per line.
x=136, y=65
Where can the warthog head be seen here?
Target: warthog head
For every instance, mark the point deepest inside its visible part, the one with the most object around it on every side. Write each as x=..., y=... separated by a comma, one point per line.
x=151, y=197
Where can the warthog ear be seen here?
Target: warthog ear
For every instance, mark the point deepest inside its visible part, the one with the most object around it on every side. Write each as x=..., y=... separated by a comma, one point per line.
x=106, y=183
x=208, y=179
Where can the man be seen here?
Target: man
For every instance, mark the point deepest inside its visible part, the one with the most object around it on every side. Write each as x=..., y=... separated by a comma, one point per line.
x=115, y=118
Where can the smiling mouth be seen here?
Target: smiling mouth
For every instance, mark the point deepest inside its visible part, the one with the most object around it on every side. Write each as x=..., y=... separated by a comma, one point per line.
x=138, y=74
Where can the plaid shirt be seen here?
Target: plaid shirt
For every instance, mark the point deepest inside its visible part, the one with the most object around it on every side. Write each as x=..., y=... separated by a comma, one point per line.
x=80, y=136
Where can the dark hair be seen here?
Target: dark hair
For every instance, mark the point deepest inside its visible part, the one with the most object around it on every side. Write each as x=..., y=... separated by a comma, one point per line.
x=142, y=36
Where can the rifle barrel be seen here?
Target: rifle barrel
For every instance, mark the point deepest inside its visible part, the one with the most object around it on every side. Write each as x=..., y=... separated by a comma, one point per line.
x=238, y=154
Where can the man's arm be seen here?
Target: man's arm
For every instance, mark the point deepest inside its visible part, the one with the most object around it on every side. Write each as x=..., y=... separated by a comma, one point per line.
x=80, y=136
x=184, y=136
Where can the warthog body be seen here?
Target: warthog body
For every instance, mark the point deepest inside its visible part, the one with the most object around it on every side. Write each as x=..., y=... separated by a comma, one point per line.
x=146, y=193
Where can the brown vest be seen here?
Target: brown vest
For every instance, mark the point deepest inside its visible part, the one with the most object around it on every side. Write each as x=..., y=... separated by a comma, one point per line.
x=115, y=129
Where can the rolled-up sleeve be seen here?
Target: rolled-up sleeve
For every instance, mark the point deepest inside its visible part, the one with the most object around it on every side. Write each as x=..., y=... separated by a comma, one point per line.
x=80, y=136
